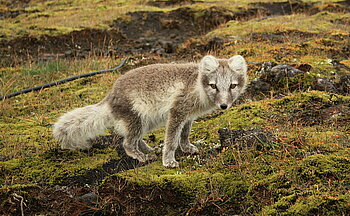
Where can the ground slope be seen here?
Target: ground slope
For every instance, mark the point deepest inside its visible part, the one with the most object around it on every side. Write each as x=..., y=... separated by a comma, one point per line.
x=299, y=72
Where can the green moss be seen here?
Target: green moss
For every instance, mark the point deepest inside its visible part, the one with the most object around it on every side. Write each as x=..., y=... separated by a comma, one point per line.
x=46, y=17
x=288, y=39
x=306, y=188
x=16, y=187
x=318, y=23
x=25, y=120
x=281, y=206
x=320, y=168
x=246, y=116
x=300, y=106
x=325, y=205
x=156, y=174
x=313, y=205
x=200, y=185
x=51, y=167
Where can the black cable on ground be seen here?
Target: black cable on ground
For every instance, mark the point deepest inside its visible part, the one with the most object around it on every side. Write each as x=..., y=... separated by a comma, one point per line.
x=36, y=88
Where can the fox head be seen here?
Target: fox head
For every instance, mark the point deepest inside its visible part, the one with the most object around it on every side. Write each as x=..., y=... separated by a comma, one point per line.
x=223, y=80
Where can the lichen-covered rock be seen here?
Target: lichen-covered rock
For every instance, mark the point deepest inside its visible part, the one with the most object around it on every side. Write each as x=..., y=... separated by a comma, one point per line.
x=279, y=78
x=279, y=72
x=282, y=78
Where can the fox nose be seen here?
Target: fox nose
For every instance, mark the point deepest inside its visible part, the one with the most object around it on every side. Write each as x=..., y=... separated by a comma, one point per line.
x=223, y=106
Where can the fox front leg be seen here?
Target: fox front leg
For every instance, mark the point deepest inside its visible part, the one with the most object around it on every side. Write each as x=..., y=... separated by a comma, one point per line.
x=174, y=127
x=185, y=143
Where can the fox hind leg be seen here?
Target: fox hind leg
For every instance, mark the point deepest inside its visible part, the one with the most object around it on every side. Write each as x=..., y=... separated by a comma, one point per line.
x=131, y=148
x=133, y=144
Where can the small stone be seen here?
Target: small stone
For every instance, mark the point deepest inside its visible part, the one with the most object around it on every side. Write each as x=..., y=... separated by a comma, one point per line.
x=167, y=46
x=258, y=85
x=304, y=67
x=344, y=84
x=266, y=67
x=279, y=72
x=324, y=84
x=89, y=197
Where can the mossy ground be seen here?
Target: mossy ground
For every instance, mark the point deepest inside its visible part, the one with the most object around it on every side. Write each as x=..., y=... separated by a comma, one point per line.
x=305, y=171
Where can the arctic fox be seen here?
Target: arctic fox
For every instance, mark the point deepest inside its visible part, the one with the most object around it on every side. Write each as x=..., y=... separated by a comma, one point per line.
x=154, y=95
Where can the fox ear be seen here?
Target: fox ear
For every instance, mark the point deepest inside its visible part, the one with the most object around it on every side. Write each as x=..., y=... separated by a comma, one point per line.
x=208, y=64
x=237, y=63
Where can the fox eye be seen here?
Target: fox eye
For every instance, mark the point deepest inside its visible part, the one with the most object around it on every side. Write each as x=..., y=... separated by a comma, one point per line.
x=213, y=86
x=232, y=86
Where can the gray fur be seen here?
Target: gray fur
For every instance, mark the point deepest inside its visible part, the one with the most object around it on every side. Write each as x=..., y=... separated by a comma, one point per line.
x=149, y=97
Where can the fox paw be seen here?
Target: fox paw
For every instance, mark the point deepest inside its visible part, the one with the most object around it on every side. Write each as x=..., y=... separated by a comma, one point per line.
x=151, y=157
x=146, y=157
x=137, y=155
x=144, y=148
x=190, y=148
x=171, y=164
x=157, y=149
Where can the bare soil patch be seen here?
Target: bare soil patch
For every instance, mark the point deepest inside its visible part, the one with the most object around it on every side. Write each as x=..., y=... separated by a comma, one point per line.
x=284, y=8
x=145, y=32
x=171, y=3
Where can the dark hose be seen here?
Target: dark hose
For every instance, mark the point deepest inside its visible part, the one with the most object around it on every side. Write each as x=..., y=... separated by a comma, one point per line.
x=36, y=88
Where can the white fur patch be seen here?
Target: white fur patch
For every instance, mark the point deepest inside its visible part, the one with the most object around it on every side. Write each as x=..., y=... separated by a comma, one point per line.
x=203, y=97
x=75, y=128
x=120, y=128
x=154, y=108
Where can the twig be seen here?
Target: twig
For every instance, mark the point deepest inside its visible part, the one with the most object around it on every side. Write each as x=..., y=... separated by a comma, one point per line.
x=22, y=203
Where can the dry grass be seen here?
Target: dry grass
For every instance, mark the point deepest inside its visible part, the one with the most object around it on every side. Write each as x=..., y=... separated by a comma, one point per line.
x=26, y=119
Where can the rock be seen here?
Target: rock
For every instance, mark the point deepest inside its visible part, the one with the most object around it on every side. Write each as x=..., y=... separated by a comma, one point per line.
x=338, y=66
x=324, y=84
x=89, y=197
x=266, y=67
x=168, y=46
x=215, y=43
x=144, y=46
x=158, y=50
x=259, y=85
x=65, y=189
x=271, y=73
x=278, y=72
x=273, y=77
x=69, y=53
x=304, y=67
x=344, y=84
x=246, y=139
